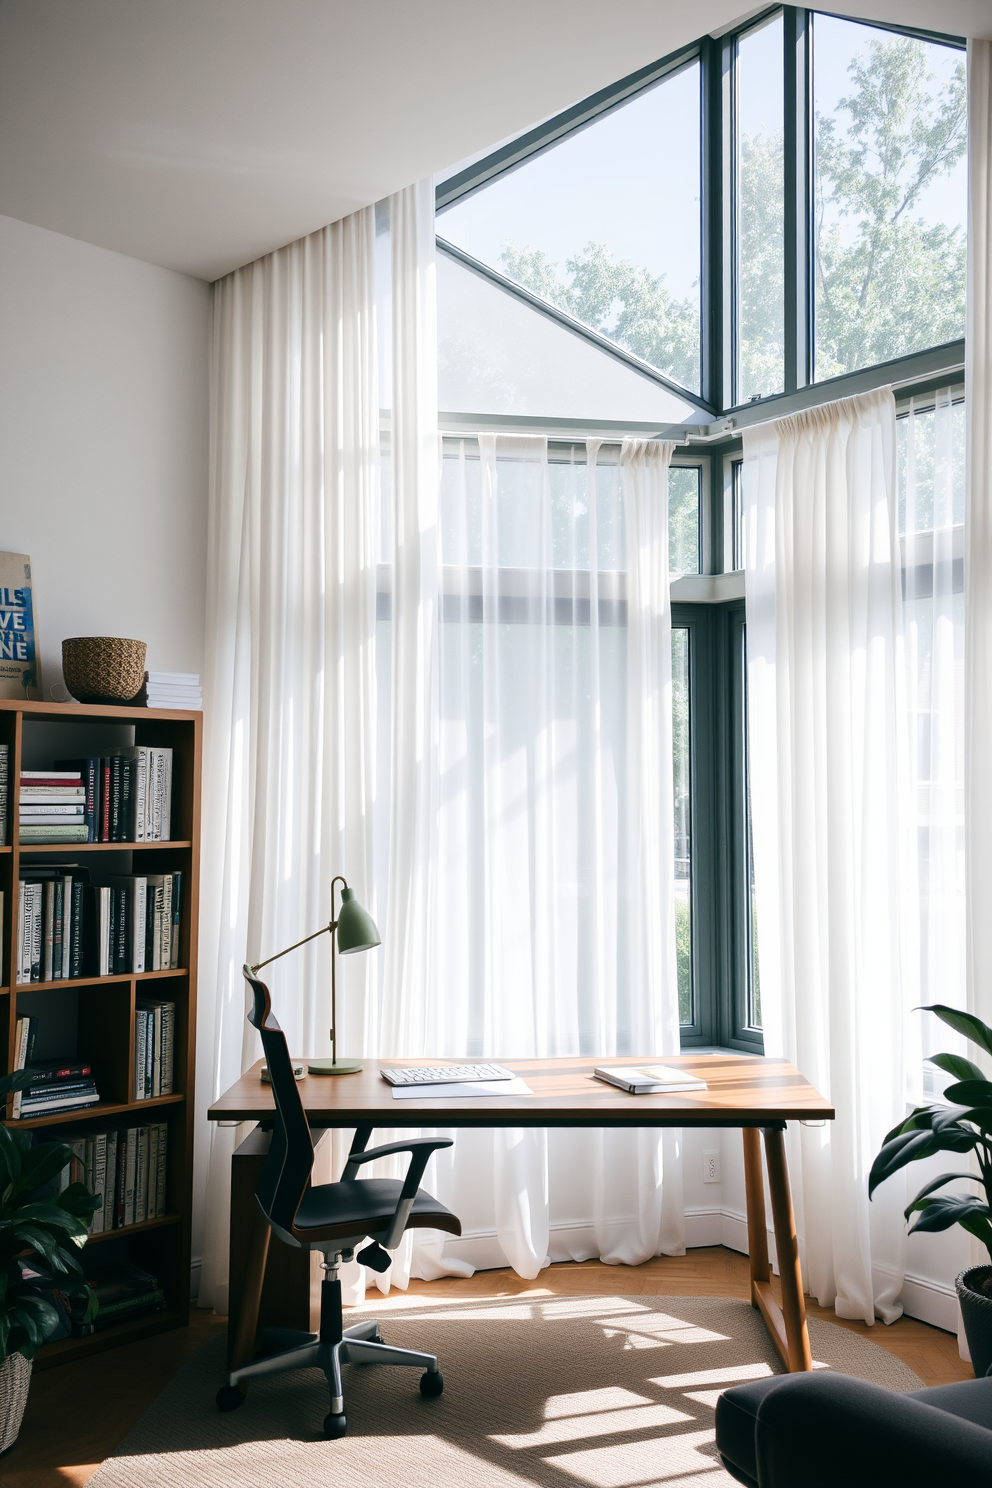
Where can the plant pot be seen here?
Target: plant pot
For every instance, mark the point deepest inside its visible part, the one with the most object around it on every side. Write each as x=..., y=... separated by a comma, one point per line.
x=976, y=1311
x=15, y=1377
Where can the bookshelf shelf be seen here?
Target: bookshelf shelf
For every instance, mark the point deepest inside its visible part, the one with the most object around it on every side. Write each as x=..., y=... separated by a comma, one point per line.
x=125, y=1332
x=95, y=1018
x=88, y=847
x=93, y=1113
x=67, y=983
x=136, y=1229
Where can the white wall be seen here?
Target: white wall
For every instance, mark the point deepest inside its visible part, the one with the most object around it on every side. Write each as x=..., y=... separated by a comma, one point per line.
x=103, y=443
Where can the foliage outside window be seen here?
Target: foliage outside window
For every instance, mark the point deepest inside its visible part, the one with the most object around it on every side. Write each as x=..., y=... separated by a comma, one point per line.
x=890, y=195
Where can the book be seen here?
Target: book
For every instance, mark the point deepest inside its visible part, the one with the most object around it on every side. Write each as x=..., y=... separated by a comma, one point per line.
x=45, y=1070
x=4, y=792
x=20, y=673
x=52, y=833
x=652, y=1079
x=24, y=1038
x=89, y=772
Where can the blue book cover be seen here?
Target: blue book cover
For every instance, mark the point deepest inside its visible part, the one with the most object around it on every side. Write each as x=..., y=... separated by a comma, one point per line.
x=20, y=672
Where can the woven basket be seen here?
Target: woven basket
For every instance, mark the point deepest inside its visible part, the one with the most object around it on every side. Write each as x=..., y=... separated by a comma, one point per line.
x=15, y=1377
x=103, y=669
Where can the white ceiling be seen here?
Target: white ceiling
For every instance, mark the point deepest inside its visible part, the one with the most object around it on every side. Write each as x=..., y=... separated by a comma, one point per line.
x=199, y=134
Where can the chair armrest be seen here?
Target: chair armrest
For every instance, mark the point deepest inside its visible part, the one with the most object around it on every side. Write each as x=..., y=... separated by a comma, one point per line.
x=413, y=1145
x=819, y=1430
x=420, y=1150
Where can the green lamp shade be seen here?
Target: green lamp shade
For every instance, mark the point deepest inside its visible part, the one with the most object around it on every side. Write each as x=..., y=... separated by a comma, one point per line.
x=356, y=928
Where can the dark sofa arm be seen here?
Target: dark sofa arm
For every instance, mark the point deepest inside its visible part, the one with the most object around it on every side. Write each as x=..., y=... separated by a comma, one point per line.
x=820, y=1430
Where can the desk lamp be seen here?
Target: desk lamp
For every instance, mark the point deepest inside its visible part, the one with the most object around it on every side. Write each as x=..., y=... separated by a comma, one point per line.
x=353, y=930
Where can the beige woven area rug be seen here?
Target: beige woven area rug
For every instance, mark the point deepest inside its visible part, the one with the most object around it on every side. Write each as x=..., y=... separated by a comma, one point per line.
x=568, y=1392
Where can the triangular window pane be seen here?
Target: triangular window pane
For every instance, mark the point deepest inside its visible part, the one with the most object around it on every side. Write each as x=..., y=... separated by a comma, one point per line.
x=499, y=355
x=606, y=225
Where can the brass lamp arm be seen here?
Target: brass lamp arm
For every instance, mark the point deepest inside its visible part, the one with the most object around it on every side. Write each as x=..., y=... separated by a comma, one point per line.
x=324, y=930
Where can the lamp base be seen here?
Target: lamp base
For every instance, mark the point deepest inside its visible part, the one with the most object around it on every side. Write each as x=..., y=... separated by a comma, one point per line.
x=332, y=1067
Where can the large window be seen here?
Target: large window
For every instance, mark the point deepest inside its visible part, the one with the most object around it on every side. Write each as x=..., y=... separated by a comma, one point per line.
x=742, y=221
x=604, y=224
x=890, y=134
x=753, y=215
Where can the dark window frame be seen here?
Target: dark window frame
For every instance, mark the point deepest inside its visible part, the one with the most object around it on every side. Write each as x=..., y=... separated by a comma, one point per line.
x=717, y=60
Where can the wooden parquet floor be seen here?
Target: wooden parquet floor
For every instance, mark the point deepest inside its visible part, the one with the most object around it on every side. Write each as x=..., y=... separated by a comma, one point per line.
x=78, y=1412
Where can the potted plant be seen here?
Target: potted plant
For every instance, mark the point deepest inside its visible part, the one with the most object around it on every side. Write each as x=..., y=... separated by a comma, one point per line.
x=40, y=1239
x=961, y=1122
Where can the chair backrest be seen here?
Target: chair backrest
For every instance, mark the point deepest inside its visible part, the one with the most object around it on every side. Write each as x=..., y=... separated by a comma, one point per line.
x=287, y=1168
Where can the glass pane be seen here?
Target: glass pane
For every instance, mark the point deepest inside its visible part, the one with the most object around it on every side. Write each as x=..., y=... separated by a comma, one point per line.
x=684, y=483
x=606, y=225
x=683, y=840
x=760, y=102
x=496, y=354
x=890, y=195
x=737, y=514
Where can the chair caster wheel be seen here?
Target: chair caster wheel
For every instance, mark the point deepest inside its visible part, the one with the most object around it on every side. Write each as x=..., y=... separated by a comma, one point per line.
x=229, y=1397
x=431, y=1385
x=335, y=1425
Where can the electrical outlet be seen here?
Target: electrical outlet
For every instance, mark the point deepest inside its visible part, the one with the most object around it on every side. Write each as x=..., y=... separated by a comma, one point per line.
x=711, y=1167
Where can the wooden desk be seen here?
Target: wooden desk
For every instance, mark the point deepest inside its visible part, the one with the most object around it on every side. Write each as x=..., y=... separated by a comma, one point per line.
x=756, y=1094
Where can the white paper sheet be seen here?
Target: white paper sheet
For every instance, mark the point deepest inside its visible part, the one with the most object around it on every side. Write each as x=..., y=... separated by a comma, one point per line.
x=464, y=1088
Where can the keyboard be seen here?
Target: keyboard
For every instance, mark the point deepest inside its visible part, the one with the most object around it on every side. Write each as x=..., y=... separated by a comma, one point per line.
x=447, y=1074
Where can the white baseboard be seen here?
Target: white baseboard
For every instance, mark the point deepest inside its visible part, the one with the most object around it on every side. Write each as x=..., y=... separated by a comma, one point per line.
x=930, y=1301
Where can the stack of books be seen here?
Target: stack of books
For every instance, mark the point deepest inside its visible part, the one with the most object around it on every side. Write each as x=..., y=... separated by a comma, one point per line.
x=53, y=806
x=57, y=1085
x=126, y=1167
x=127, y=795
x=68, y=926
x=173, y=690
x=122, y=1292
x=4, y=792
x=154, y=1037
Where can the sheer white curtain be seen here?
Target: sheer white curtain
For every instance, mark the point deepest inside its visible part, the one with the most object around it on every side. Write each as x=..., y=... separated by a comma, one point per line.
x=832, y=820
x=978, y=531
x=553, y=928
x=289, y=777
x=931, y=448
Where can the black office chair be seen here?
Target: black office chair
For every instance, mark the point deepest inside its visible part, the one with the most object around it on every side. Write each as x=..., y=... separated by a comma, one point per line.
x=333, y=1218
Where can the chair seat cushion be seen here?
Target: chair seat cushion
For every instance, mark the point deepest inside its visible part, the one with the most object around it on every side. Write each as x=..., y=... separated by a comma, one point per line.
x=365, y=1206
x=969, y=1400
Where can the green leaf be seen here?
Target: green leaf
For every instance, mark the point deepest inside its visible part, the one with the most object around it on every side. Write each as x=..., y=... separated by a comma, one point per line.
x=46, y=1161
x=10, y=1154
x=951, y=1209
x=936, y=1183
x=916, y=1121
x=956, y=1065
x=16, y=1080
x=912, y=1146
x=973, y=1028
x=970, y=1093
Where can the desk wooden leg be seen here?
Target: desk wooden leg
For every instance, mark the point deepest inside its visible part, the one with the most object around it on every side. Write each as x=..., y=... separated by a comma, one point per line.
x=786, y=1324
x=243, y=1323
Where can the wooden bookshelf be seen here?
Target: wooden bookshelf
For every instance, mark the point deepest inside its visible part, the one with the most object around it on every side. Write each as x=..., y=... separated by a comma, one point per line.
x=102, y=1009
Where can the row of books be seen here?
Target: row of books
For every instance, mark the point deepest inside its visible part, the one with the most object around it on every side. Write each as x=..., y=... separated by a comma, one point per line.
x=67, y=1084
x=74, y=923
x=124, y=797
x=154, y=1049
x=58, y=1085
x=173, y=690
x=4, y=791
x=123, y=1291
x=126, y=1167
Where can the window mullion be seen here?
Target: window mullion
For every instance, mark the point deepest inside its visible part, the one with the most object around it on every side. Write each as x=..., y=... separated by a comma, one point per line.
x=798, y=201
x=716, y=362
